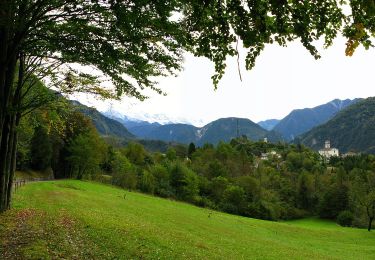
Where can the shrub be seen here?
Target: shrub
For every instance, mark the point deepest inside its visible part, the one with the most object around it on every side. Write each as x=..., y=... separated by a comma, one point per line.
x=107, y=179
x=147, y=182
x=233, y=200
x=345, y=218
x=184, y=181
x=161, y=177
x=124, y=173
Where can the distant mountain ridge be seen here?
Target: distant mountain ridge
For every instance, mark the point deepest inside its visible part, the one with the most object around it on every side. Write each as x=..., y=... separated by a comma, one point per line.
x=352, y=129
x=181, y=133
x=223, y=129
x=137, y=127
x=269, y=124
x=297, y=122
x=300, y=121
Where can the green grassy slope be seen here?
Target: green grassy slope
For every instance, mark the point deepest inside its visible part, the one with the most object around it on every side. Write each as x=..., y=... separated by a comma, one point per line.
x=81, y=220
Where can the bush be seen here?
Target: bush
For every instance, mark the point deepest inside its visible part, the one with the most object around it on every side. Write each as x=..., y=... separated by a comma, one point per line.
x=147, y=183
x=206, y=203
x=161, y=177
x=345, y=218
x=184, y=181
x=124, y=173
x=233, y=200
x=107, y=179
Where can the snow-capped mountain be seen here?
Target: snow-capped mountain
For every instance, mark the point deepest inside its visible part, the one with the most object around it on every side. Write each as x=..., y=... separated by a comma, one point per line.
x=162, y=119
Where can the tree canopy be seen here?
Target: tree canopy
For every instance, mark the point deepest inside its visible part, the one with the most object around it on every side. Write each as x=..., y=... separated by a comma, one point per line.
x=132, y=42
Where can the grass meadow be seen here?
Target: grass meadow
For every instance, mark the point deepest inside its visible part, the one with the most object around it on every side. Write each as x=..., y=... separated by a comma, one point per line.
x=71, y=219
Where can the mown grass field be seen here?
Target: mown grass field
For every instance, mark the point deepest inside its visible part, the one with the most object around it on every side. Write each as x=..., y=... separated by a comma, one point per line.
x=81, y=220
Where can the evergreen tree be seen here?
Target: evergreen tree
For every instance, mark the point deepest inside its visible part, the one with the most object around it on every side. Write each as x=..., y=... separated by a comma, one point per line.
x=41, y=149
x=191, y=150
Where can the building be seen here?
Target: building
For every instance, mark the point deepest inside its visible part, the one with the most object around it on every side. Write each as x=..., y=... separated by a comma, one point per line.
x=272, y=154
x=349, y=154
x=328, y=151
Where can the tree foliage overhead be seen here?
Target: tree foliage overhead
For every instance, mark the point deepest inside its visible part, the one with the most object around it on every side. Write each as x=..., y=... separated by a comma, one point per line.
x=131, y=42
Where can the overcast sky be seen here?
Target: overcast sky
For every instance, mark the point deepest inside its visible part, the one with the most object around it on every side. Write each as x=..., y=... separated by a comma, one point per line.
x=282, y=80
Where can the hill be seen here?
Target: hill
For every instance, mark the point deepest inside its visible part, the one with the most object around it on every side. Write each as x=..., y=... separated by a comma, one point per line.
x=142, y=129
x=300, y=121
x=225, y=129
x=353, y=129
x=181, y=133
x=105, y=126
x=269, y=124
x=79, y=220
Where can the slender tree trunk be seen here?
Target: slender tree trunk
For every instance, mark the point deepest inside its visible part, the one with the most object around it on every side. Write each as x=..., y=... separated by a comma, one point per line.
x=8, y=166
x=7, y=130
x=4, y=164
x=13, y=161
x=370, y=223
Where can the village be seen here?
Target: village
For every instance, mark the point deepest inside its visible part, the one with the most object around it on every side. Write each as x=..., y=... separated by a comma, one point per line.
x=327, y=152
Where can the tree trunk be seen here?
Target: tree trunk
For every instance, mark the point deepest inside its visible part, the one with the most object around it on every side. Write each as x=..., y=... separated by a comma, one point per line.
x=370, y=223
x=8, y=169
x=10, y=94
x=4, y=173
x=12, y=168
x=7, y=131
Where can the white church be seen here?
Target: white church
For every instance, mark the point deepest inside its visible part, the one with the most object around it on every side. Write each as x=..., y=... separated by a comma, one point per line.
x=328, y=152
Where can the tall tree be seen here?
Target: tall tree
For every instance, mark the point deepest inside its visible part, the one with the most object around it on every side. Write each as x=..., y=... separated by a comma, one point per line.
x=131, y=42
x=191, y=150
x=86, y=154
x=41, y=149
x=363, y=192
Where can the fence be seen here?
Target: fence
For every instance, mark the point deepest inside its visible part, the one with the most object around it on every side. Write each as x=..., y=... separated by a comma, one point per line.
x=18, y=183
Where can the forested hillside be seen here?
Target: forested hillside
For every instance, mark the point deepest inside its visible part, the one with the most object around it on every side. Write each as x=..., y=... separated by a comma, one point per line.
x=225, y=129
x=105, y=125
x=300, y=121
x=60, y=139
x=351, y=130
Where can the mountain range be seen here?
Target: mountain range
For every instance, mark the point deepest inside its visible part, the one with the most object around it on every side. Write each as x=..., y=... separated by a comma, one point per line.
x=223, y=129
x=349, y=124
x=351, y=130
x=300, y=121
x=178, y=133
x=139, y=128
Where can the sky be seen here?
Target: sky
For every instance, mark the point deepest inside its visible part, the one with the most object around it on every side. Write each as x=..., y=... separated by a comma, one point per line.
x=284, y=78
